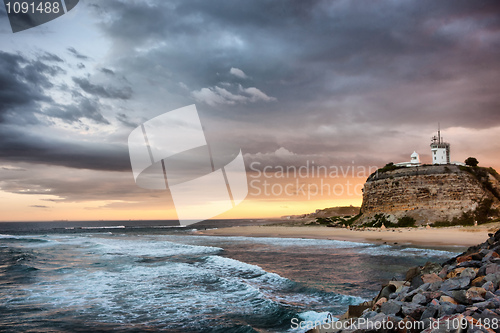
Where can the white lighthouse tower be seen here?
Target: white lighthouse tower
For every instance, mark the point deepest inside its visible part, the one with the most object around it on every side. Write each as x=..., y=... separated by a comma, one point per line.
x=440, y=150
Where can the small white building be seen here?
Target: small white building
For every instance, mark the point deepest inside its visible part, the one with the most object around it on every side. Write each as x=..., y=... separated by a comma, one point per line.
x=440, y=150
x=414, y=161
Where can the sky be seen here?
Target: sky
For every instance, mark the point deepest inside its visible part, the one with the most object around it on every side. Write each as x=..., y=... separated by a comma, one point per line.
x=344, y=85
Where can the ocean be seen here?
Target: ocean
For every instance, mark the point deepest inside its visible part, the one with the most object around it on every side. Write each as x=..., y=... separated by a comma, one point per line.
x=146, y=276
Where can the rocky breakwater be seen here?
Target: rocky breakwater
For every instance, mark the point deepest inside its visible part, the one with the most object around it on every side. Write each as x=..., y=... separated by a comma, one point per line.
x=430, y=193
x=460, y=295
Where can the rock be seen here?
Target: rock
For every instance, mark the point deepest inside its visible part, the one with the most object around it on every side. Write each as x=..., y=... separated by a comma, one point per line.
x=495, y=300
x=429, y=312
x=431, y=267
x=419, y=299
x=432, y=294
x=490, y=314
x=464, y=258
x=471, y=263
x=478, y=281
x=369, y=314
x=412, y=309
x=489, y=295
x=442, y=274
x=416, y=282
x=434, y=303
x=469, y=272
x=482, y=305
x=391, y=307
x=423, y=287
x=459, y=296
x=475, y=294
x=431, y=278
x=447, y=309
x=492, y=269
x=493, y=277
x=455, y=283
x=412, y=272
x=489, y=286
x=455, y=272
x=381, y=301
x=448, y=299
x=490, y=255
x=435, y=286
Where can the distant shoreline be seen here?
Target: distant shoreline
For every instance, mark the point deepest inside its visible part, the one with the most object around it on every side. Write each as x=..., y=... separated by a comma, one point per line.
x=450, y=236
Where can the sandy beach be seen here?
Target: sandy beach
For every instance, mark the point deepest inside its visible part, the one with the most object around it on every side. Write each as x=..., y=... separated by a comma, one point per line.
x=459, y=236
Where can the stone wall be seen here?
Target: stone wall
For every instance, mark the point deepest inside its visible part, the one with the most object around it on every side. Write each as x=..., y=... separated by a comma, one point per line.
x=427, y=193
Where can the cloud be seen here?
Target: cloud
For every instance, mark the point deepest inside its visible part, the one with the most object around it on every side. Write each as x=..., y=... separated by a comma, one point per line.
x=47, y=56
x=77, y=54
x=218, y=95
x=25, y=146
x=85, y=108
x=238, y=73
x=22, y=83
x=107, y=71
x=101, y=91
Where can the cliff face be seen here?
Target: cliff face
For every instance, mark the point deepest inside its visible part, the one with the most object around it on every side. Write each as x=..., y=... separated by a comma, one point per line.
x=428, y=193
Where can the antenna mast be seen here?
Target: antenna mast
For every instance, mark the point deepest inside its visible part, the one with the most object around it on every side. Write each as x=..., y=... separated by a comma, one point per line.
x=439, y=133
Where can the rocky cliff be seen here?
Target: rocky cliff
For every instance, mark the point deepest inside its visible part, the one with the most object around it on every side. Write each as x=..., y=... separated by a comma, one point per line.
x=430, y=193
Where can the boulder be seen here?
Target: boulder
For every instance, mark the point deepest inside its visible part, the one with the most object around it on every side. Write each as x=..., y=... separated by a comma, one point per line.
x=380, y=301
x=489, y=286
x=447, y=308
x=469, y=272
x=419, y=299
x=455, y=283
x=475, y=294
x=431, y=278
x=429, y=312
x=412, y=309
x=391, y=307
x=493, y=277
x=478, y=281
x=455, y=272
x=448, y=299
x=492, y=268
x=431, y=267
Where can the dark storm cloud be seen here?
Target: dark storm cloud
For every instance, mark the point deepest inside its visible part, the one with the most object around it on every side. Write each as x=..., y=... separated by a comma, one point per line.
x=26, y=108
x=342, y=60
x=86, y=108
x=21, y=83
x=77, y=54
x=101, y=91
x=25, y=83
x=24, y=146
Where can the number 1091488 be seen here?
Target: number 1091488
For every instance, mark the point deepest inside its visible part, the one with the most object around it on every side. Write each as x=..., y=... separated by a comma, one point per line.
x=25, y=7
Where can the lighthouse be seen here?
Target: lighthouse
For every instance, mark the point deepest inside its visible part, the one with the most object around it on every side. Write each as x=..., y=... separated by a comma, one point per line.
x=440, y=150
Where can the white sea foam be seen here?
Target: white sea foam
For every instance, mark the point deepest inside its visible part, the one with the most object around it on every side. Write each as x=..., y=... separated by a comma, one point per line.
x=396, y=251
